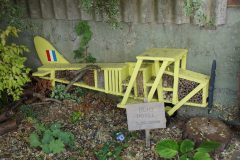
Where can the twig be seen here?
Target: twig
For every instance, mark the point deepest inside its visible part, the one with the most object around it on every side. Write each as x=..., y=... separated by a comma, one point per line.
x=80, y=74
x=44, y=99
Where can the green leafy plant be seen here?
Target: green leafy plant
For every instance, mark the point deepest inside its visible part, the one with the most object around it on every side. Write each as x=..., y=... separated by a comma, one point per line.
x=185, y=149
x=84, y=31
x=59, y=92
x=80, y=92
x=113, y=149
x=13, y=73
x=51, y=139
x=109, y=9
x=76, y=116
x=110, y=150
x=27, y=111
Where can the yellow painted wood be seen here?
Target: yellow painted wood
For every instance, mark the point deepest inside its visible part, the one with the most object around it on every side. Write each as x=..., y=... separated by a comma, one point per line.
x=52, y=77
x=41, y=46
x=190, y=75
x=131, y=82
x=185, y=99
x=120, y=82
x=95, y=78
x=113, y=80
x=115, y=73
x=106, y=80
x=205, y=94
x=77, y=66
x=184, y=62
x=163, y=54
x=110, y=80
x=159, y=87
x=117, y=81
x=175, y=82
x=156, y=82
x=41, y=73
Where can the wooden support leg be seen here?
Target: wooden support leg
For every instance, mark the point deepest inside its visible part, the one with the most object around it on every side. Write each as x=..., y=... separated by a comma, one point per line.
x=185, y=99
x=159, y=88
x=175, y=83
x=184, y=62
x=157, y=80
x=131, y=82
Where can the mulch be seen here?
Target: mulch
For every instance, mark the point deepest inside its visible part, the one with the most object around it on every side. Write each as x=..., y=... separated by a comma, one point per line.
x=100, y=121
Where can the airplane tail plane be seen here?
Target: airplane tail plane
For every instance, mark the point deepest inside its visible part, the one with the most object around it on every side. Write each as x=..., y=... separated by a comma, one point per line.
x=47, y=53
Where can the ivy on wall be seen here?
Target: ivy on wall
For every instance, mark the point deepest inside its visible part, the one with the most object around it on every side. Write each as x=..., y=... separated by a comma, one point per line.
x=194, y=9
x=109, y=9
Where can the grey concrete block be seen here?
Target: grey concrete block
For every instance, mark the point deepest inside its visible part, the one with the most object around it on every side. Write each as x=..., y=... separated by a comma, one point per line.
x=85, y=15
x=47, y=9
x=180, y=14
x=23, y=4
x=221, y=12
x=73, y=12
x=34, y=9
x=98, y=16
x=59, y=7
x=147, y=11
x=130, y=10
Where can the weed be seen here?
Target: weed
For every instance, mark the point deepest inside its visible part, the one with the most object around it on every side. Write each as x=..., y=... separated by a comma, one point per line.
x=76, y=116
x=51, y=139
x=27, y=111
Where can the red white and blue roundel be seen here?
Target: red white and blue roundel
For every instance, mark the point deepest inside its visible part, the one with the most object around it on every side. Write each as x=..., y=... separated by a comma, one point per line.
x=51, y=55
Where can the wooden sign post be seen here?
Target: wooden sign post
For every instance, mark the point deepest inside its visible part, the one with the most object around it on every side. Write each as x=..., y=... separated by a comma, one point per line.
x=146, y=116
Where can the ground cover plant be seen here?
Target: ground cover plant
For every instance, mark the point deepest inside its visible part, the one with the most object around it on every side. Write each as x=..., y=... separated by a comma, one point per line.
x=185, y=150
x=51, y=139
x=59, y=92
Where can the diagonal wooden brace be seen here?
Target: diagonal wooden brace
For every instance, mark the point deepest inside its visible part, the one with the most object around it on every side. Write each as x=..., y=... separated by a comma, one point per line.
x=131, y=82
x=157, y=80
x=185, y=99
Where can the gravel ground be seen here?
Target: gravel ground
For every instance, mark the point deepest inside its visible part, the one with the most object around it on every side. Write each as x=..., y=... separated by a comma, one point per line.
x=100, y=121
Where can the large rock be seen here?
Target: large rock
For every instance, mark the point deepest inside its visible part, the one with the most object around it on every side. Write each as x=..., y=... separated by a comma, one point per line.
x=202, y=129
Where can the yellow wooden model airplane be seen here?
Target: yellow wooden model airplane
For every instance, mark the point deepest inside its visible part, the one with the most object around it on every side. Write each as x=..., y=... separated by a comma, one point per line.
x=159, y=74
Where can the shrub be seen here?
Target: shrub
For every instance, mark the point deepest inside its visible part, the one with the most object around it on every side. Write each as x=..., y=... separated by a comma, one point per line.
x=84, y=31
x=13, y=73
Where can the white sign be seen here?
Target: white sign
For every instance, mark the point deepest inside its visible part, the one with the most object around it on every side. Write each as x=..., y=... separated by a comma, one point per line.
x=146, y=116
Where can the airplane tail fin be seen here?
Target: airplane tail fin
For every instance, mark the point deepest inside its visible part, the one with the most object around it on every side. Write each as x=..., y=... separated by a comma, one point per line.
x=46, y=52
